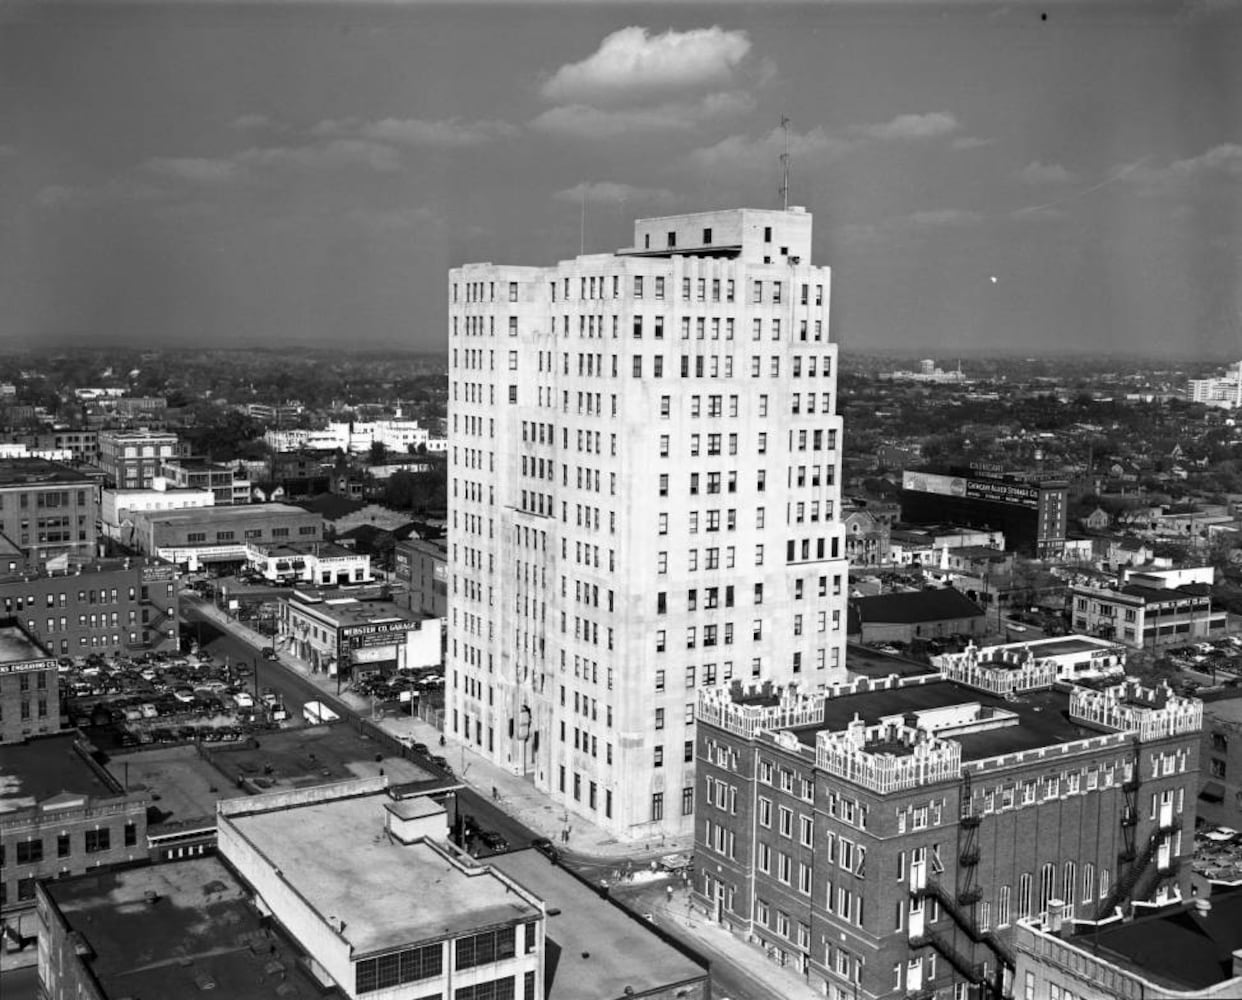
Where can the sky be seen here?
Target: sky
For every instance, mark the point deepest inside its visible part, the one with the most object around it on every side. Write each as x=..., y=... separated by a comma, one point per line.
x=984, y=177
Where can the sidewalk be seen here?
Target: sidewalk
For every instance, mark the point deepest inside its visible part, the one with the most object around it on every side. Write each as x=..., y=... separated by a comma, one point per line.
x=514, y=794
x=722, y=946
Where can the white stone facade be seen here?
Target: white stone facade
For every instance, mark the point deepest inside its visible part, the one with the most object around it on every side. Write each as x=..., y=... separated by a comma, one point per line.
x=644, y=471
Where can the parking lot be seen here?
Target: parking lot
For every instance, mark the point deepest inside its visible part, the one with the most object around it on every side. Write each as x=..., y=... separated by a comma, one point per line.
x=163, y=698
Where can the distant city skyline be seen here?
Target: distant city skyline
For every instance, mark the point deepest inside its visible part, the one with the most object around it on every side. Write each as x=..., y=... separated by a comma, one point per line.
x=985, y=178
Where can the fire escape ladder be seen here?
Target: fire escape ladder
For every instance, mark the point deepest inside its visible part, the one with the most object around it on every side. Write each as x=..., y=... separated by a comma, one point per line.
x=1124, y=888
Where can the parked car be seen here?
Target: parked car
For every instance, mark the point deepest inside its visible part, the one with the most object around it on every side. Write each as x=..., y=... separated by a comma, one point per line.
x=493, y=841
x=269, y=653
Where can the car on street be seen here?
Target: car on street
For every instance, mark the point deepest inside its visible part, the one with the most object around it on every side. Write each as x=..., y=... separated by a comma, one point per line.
x=269, y=653
x=493, y=841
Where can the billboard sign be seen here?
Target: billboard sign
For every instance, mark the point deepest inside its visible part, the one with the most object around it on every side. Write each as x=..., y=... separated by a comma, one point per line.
x=995, y=490
x=378, y=633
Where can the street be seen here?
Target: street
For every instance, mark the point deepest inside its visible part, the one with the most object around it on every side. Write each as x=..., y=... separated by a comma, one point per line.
x=648, y=894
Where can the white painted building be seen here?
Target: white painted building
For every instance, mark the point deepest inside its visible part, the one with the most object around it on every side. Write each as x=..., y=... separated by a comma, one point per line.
x=1225, y=391
x=116, y=507
x=644, y=474
x=352, y=436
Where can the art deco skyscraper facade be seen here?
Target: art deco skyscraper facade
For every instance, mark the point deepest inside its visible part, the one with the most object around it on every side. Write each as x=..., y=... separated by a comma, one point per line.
x=644, y=500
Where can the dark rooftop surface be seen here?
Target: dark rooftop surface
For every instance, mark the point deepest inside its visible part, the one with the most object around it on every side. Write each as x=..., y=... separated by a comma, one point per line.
x=1183, y=949
x=1158, y=595
x=35, y=771
x=864, y=662
x=917, y=606
x=619, y=949
x=34, y=472
x=1043, y=716
x=200, y=930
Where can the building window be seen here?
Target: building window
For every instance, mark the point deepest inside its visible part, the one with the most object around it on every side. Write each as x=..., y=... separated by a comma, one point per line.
x=657, y=807
x=29, y=852
x=399, y=967
x=98, y=840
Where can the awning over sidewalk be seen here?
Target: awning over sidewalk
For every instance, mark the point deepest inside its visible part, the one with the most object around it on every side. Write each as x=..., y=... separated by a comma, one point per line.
x=1213, y=791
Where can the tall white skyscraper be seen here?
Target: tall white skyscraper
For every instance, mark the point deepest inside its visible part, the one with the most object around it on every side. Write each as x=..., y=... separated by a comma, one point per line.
x=644, y=499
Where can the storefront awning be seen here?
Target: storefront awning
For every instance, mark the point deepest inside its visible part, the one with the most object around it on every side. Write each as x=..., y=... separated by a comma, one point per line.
x=1213, y=791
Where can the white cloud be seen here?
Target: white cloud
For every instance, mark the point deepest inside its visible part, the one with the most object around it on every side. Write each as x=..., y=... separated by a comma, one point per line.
x=932, y=125
x=1044, y=173
x=446, y=133
x=195, y=169
x=630, y=66
x=1219, y=162
x=970, y=142
x=610, y=191
x=590, y=122
x=327, y=154
x=57, y=195
x=248, y=122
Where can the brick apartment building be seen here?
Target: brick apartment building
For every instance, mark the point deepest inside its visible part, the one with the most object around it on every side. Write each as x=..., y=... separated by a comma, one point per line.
x=884, y=837
x=112, y=606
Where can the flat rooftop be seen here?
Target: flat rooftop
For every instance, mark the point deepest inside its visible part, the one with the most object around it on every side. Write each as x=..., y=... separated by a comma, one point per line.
x=44, y=767
x=18, y=647
x=1228, y=709
x=350, y=611
x=600, y=948
x=1061, y=647
x=35, y=472
x=335, y=854
x=1182, y=950
x=241, y=512
x=201, y=933
x=1043, y=716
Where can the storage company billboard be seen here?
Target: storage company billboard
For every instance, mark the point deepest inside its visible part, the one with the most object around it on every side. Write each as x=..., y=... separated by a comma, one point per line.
x=996, y=490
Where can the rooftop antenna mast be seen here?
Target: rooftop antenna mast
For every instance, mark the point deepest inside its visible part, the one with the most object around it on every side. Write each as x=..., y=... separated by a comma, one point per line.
x=785, y=165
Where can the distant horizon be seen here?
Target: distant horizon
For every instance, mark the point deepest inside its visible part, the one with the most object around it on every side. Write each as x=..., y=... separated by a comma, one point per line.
x=944, y=357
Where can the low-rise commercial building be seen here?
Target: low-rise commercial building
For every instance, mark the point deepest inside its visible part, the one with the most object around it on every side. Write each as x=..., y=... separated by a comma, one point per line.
x=360, y=880
x=61, y=814
x=118, y=507
x=82, y=444
x=917, y=614
x=344, y=636
x=29, y=684
x=1189, y=953
x=1147, y=609
x=321, y=564
x=47, y=509
x=221, y=480
x=884, y=837
x=604, y=950
x=166, y=931
x=196, y=538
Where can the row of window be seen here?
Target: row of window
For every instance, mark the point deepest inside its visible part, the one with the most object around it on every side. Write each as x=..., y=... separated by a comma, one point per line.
x=31, y=852
x=199, y=537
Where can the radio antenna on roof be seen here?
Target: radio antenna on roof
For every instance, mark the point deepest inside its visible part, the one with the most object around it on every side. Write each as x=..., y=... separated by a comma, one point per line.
x=785, y=165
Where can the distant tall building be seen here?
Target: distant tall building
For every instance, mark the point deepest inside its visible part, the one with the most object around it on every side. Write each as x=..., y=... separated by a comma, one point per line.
x=645, y=500
x=1225, y=391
